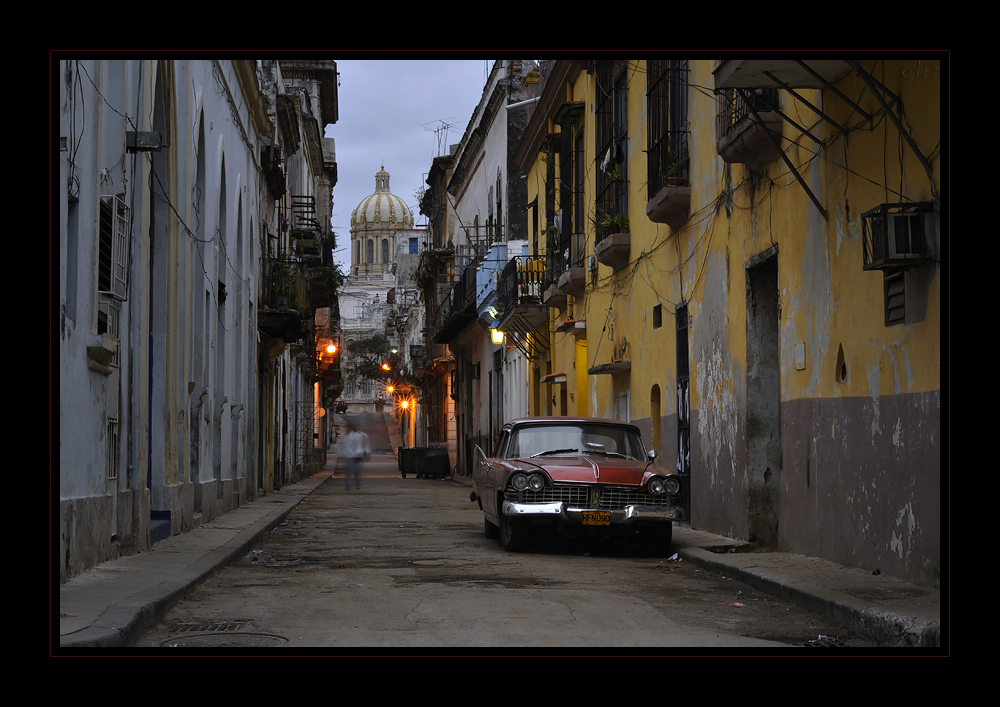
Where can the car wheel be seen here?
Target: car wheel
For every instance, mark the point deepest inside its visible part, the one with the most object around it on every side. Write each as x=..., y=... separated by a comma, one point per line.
x=492, y=532
x=513, y=533
x=656, y=540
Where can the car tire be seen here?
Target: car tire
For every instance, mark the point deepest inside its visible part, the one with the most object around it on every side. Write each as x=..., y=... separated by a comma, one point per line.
x=492, y=532
x=513, y=533
x=656, y=540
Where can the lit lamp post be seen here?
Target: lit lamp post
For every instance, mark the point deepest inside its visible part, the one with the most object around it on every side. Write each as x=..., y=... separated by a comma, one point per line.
x=408, y=407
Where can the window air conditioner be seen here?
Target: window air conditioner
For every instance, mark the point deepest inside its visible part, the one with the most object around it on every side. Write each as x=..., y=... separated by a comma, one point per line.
x=897, y=236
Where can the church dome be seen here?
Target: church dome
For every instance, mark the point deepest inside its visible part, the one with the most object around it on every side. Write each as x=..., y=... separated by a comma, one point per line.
x=381, y=209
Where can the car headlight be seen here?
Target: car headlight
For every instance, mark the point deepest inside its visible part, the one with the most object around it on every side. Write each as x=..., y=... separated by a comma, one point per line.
x=519, y=482
x=660, y=485
x=536, y=482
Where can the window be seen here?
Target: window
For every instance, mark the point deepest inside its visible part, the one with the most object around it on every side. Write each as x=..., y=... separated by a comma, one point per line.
x=666, y=111
x=371, y=251
x=501, y=236
x=111, y=463
x=658, y=316
x=611, y=131
x=413, y=246
x=112, y=251
x=385, y=251
x=489, y=217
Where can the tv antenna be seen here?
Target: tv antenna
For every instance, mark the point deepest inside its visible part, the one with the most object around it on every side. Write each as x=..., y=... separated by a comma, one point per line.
x=441, y=131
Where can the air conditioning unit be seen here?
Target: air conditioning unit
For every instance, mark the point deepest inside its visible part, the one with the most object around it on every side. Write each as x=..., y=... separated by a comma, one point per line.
x=896, y=236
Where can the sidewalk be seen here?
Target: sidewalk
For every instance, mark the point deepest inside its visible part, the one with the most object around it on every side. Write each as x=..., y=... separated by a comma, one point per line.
x=114, y=603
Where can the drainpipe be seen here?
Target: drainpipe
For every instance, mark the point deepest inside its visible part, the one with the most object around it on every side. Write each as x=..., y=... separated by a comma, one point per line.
x=523, y=103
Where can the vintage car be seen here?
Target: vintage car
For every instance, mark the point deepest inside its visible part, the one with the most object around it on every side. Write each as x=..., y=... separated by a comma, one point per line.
x=583, y=475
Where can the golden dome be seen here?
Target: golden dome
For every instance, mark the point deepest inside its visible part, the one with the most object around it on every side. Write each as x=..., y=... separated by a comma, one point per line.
x=383, y=208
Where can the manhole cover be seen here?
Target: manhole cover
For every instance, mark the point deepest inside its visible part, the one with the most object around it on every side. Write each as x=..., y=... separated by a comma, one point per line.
x=225, y=639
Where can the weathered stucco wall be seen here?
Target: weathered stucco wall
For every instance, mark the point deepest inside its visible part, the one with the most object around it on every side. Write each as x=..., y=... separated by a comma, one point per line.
x=862, y=480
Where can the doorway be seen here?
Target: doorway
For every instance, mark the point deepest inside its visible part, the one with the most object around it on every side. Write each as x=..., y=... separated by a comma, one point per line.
x=763, y=398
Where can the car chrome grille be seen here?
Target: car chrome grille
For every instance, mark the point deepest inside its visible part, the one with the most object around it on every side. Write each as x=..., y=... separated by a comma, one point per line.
x=611, y=499
x=572, y=495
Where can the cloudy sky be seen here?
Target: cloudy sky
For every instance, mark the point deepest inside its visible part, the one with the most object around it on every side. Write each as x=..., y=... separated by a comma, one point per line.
x=400, y=114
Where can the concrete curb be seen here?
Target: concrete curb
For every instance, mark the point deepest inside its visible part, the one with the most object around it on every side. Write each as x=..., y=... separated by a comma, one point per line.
x=881, y=627
x=124, y=622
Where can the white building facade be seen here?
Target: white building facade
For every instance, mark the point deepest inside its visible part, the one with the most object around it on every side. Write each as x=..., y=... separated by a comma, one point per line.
x=158, y=206
x=177, y=187
x=489, y=228
x=382, y=230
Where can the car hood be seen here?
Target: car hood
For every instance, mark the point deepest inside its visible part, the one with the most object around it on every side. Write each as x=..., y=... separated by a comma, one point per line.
x=593, y=469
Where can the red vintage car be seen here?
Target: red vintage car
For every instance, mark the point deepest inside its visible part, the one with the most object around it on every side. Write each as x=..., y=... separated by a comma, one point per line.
x=583, y=475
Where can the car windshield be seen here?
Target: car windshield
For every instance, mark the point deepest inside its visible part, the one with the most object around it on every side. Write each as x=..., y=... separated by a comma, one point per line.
x=580, y=438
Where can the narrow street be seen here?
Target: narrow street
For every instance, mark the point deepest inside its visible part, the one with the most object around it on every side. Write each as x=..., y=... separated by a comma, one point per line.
x=404, y=563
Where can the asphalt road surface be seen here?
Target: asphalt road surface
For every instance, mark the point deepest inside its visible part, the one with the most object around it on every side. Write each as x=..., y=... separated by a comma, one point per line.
x=404, y=564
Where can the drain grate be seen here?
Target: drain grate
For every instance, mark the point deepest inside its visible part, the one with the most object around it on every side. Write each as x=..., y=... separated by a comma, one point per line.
x=225, y=639
x=208, y=625
x=218, y=633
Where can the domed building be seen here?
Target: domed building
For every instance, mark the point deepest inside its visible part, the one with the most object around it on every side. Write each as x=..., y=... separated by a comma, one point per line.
x=385, y=246
x=374, y=226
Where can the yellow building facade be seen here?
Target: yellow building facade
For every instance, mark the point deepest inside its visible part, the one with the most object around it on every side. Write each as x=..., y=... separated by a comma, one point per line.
x=744, y=258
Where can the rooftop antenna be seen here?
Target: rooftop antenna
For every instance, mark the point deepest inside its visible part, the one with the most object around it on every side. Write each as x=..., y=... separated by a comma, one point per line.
x=441, y=131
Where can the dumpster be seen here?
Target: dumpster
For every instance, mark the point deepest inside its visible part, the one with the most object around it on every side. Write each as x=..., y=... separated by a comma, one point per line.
x=407, y=461
x=424, y=462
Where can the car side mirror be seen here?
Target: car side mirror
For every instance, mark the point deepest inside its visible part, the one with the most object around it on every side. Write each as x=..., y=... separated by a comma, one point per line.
x=651, y=455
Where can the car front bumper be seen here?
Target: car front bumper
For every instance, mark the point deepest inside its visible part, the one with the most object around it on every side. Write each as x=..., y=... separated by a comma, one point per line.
x=565, y=513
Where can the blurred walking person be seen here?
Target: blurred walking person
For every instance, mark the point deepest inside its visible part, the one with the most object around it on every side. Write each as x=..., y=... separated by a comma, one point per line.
x=354, y=450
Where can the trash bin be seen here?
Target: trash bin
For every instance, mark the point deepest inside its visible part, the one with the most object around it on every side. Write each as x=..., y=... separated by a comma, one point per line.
x=436, y=463
x=424, y=462
x=407, y=461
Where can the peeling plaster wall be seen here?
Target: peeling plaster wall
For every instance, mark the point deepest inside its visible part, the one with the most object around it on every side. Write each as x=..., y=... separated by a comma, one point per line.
x=718, y=402
x=861, y=482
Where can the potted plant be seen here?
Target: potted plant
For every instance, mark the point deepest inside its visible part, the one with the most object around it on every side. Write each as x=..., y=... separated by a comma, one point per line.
x=615, y=223
x=677, y=163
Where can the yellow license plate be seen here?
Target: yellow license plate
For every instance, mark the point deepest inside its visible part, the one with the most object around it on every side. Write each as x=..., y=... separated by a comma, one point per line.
x=597, y=518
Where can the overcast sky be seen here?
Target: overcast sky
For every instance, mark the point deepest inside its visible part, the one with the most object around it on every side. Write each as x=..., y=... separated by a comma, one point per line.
x=401, y=115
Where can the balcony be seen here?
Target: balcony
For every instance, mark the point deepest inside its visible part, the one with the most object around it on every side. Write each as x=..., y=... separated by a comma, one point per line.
x=614, y=250
x=459, y=307
x=304, y=210
x=573, y=282
x=767, y=73
x=552, y=296
x=749, y=127
x=281, y=301
x=669, y=191
x=270, y=162
x=520, y=294
x=573, y=279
